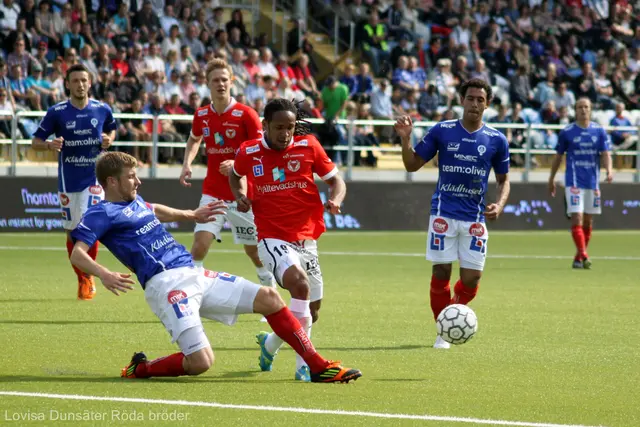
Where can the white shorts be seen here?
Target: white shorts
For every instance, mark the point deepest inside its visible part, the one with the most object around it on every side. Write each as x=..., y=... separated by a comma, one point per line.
x=243, y=225
x=581, y=200
x=179, y=297
x=74, y=205
x=278, y=256
x=449, y=240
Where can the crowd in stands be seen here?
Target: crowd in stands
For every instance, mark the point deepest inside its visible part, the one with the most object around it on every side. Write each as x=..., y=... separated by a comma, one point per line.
x=539, y=56
x=148, y=56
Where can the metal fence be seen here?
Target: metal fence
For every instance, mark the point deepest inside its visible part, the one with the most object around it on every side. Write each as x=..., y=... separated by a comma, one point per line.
x=349, y=125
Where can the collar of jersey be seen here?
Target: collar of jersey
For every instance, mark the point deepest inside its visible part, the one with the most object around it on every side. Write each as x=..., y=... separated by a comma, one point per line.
x=232, y=104
x=265, y=145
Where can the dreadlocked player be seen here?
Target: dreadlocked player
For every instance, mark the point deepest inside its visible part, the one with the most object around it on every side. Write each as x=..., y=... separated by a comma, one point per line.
x=288, y=212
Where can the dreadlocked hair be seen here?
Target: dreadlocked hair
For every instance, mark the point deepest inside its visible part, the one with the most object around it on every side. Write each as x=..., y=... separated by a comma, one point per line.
x=303, y=127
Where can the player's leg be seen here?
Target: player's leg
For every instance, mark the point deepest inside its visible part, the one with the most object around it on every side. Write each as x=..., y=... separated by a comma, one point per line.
x=228, y=296
x=472, y=252
x=592, y=206
x=244, y=233
x=284, y=261
x=575, y=198
x=73, y=206
x=205, y=233
x=442, y=250
x=175, y=296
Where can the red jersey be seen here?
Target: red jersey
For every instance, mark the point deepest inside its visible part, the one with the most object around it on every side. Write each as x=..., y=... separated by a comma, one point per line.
x=223, y=134
x=286, y=202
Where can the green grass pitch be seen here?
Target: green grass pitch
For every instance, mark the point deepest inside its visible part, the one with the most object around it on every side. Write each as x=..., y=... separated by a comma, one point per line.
x=554, y=346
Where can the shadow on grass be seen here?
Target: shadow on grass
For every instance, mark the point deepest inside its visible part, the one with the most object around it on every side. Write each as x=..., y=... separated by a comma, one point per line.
x=322, y=348
x=76, y=322
x=229, y=377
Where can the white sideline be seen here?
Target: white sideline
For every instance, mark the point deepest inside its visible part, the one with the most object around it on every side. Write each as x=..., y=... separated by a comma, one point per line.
x=342, y=253
x=287, y=409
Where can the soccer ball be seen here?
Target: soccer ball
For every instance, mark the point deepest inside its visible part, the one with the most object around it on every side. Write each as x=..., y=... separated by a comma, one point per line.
x=457, y=324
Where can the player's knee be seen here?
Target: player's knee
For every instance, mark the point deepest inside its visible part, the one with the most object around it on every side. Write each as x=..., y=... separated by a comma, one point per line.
x=268, y=301
x=199, y=249
x=442, y=271
x=576, y=219
x=297, y=283
x=199, y=362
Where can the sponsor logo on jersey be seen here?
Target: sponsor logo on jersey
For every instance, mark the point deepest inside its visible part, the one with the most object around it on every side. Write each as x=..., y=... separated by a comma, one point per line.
x=218, y=139
x=293, y=165
x=226, y=150
x=161, y=243
x=467, y=170
x=60, y=107
x=71, y=124
x=303, y=143
x=575, y=190
x=128, y=212
x=237, y=113
x=202, y=113
x=176, y=296
x=448, y=124
x=453, y=146
x=148, y=227
x=594, y=138
x=468, y=140
x=253, y=149
x=95, y=189
x=258, y=170
x=79, y=159
x=80, y=142
x=460, y=189
x=482, y=149
x=64, y=199
x=278, y=174
x=206, y=132
x=490, y=133
x=465, y=157
x=476, y=229
x=82, y=132
x=270, y=188
x=235, y=125
x=440, y=225
x=82, y=116
x=94, y=122
x=576, y=139
x=230, y=133
x=210, y=274
x=596, y=192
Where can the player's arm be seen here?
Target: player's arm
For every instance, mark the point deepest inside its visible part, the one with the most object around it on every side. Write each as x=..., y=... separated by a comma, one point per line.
x=46, y=128
x=238, y=181
x=337, y=193
x=605, y=150
x=203, y=214
x=561, y=148
x=500, y=164
x=191, y=151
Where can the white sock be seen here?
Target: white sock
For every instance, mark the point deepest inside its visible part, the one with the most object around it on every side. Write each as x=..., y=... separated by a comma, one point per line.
x=199, y=264
x=300, y=310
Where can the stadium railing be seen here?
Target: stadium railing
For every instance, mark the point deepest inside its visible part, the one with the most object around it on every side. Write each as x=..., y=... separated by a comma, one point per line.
x=349, y=125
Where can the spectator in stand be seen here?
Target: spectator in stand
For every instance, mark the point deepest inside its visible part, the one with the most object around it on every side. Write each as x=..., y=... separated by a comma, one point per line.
x=585, y=85
x=404, y=78
x=603, y=86
x=429, y=102
x=20, y=56
x=304, y=79
x=47, y=96
x=374, y=44
x=564, y=97
x=252, y=65
x=402, y=49
x=365, y=83
x=350, y=80
x=622, y=140
x=481, y=71
x=266, y=66
x=25, y=97
x=172, y=41
x=237, y=21
x=334, y=97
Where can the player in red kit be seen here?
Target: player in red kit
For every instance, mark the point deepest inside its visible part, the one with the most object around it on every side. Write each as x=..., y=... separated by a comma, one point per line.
x=223, y=125
x=288, y=211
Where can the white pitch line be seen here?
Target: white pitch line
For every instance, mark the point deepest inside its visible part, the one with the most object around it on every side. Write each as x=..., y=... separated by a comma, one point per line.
x=288, y=409
x=344, y=253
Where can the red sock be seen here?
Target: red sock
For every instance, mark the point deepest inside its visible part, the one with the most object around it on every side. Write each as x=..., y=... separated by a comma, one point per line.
x=79, y=272
x=463, y=294
x=587, y=235
x=578, y=239
x=93, y=251
x=440, y=295
x=288, y=329
x=168, y=366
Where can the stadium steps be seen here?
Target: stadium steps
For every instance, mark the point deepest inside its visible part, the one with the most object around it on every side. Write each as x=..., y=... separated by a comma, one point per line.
x=323, y=49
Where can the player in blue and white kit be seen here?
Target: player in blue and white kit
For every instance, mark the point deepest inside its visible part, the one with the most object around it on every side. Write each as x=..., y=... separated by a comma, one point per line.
x=83, y=128
x=467, y=150
x=585, y=143
x=177, y=291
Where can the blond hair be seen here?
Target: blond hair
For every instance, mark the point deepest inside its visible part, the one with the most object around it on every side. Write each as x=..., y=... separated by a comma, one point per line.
x=111, y=164
x=218, y=64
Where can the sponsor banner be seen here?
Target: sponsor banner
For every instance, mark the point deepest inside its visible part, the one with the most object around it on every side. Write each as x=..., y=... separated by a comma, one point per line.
x=33, y=204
